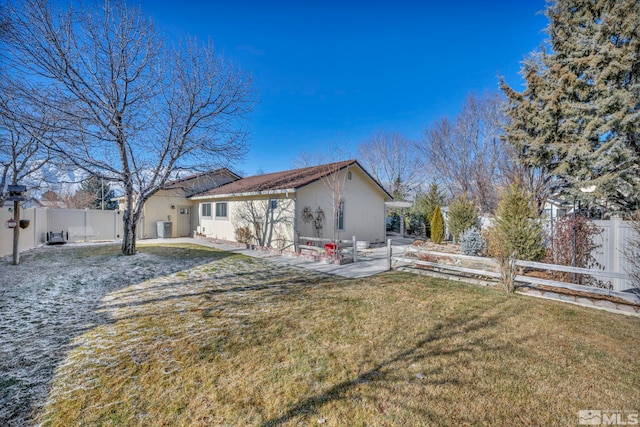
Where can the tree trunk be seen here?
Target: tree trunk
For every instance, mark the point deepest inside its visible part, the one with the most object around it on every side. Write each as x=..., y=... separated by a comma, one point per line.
x=129, y=219
x=129, y=236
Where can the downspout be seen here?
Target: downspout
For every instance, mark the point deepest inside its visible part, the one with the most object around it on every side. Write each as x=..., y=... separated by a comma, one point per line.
x=295, y=222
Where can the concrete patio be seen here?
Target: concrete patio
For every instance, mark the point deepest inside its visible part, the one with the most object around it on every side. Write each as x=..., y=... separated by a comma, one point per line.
x=370, y=262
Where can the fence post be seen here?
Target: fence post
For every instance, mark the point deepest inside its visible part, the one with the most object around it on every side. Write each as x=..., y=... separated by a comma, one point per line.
x=389, y=254
x=615, y=243
x=35, y=226
x=355, y=249
x=86, y=223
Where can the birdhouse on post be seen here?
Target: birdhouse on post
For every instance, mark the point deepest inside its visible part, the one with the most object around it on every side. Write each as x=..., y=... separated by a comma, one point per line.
x=16, y=193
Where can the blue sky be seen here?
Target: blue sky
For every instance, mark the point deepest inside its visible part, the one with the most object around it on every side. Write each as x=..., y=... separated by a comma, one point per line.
x=335, y=72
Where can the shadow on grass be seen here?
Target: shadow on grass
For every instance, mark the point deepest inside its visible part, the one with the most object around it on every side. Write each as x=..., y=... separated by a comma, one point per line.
x=381, y=375
x=52, y=297
x=290, y=286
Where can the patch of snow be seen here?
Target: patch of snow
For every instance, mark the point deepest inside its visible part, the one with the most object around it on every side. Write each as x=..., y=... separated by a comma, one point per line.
x=55, y=295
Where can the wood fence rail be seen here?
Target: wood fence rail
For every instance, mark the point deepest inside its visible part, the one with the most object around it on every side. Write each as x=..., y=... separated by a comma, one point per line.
x=633, y=297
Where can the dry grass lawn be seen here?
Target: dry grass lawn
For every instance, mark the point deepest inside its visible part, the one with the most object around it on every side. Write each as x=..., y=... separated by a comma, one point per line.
x=240, y=341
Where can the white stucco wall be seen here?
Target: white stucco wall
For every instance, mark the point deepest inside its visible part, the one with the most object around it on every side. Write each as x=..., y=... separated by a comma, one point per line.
x=364, y=212
x=158, y=208
x=278, y=228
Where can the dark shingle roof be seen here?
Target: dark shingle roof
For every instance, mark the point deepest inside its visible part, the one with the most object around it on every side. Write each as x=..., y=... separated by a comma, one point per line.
x=204, y=181
x=290, y=179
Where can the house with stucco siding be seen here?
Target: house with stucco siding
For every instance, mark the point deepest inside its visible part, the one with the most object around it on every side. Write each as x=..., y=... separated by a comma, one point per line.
x=172, y=204
x=333, y=201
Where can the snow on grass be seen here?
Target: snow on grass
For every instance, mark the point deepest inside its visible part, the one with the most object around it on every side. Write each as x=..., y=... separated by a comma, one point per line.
x=55, y=295
x=151, y=323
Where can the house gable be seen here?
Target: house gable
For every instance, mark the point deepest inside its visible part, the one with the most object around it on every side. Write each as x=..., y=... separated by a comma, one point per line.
x=286, y=181
x=291, y=192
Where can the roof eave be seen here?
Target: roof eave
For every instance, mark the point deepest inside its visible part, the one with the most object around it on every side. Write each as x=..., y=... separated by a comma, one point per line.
x=244, y=194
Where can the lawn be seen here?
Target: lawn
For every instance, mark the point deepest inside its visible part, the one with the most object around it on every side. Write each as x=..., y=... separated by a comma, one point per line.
x=240, y=341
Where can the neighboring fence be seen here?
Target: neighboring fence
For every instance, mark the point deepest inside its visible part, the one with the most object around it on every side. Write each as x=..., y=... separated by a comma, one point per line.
x=614, y=239
x=612, y=242
x=82, y=225
x=488, y=268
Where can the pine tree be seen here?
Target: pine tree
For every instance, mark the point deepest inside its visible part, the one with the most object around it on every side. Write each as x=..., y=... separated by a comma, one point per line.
x=517, y=228
x=462, y=216
x=425, y=204
x=578, y=117
x=99, y=192
x=437, y=226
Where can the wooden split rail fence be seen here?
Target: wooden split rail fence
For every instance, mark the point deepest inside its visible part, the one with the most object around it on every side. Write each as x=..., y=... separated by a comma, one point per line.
x=492, y=271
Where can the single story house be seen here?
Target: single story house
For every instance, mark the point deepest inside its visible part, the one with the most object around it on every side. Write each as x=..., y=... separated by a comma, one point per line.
x=333, y=201
x=172, y=205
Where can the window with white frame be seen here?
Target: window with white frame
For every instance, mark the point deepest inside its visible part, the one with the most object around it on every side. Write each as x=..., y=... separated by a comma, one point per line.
x=221, y=210
x=205, y=210
x=340, y=216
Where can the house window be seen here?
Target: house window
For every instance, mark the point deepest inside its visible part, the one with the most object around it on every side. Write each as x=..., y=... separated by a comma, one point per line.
x=221, y=210
x=273, y=204
x=340, y=216
x=349, y=175
x=206, y=209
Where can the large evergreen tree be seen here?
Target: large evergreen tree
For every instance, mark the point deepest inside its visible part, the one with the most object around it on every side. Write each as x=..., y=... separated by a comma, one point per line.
x=99, y=193
x=578, y=117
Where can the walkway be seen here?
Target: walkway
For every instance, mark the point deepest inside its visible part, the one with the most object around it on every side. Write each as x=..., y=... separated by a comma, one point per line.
x=373, y=261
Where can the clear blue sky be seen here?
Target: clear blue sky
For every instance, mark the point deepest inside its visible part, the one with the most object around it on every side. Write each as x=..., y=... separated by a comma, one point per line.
x=338, y=71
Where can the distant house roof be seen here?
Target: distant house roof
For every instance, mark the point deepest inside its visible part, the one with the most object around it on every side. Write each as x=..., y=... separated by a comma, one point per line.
x=279, y=182
x=199, y=182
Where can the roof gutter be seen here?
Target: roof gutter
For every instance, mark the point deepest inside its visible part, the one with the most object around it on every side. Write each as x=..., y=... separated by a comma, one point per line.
x=246, y=194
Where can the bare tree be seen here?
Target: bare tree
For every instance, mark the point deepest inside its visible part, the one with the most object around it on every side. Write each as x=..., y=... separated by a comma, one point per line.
x=129, y=107
x=391, y=159
x=467, y=152
x=67, y=199
x=335, y=178
x=266, y=220
x=22, y=153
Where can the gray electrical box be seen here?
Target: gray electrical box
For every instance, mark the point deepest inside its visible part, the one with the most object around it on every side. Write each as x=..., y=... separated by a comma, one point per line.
x=165, y=229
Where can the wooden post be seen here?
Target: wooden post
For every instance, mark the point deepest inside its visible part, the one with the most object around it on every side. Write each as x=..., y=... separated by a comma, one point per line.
x=16, y=233
x=355, y=249
x=389, y=254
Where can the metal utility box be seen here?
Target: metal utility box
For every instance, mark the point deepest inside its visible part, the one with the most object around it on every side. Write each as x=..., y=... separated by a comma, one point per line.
x=165, y=229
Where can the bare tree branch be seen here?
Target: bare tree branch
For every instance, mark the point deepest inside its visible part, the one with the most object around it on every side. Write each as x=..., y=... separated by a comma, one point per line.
x=391, y=159
x=128, y=106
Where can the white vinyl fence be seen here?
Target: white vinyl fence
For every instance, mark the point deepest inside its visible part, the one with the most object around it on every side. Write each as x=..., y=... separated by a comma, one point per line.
x=614, y=239
x=82, y=225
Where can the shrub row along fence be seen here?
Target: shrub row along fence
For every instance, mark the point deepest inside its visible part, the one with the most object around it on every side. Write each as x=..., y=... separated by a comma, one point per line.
x=80, y=225
x=531, y=273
